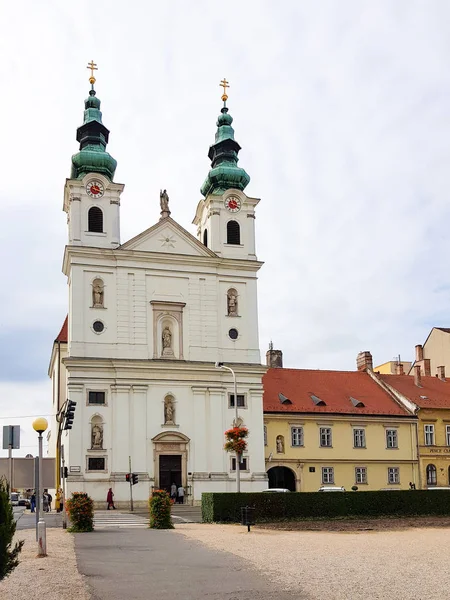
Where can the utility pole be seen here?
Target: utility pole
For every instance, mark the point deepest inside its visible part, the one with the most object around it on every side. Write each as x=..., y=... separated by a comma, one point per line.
x=131, y=484
x=220, y=365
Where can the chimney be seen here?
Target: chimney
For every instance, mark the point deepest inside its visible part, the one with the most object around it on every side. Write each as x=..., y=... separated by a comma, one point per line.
x=427, y=367
x=417, y=376
x=419, y=352
x=441, y=373
x=399, y=369
x=364, y=361
x=274, y=358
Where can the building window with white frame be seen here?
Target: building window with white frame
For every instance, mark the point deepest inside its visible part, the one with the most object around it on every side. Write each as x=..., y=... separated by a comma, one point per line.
x=96, y=398
x=391, y=438
x=393, y=475
x=265, y=435
x=359, y=438
x=327, y=475
x=431, y=475
x=325, y=437
x=243, y=464
x=429, y=435
x=447, y=434
x=360, y=474
x=297, y=436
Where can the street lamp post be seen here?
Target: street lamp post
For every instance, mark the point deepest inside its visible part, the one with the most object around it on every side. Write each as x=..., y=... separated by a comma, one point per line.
x=220, y=365
x=40, y=425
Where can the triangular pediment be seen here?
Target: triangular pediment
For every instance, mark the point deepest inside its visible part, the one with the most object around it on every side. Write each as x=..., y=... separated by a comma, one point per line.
x=167, y=237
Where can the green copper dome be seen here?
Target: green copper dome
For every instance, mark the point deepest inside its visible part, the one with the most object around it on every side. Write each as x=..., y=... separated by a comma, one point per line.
x=93, y=137
x=224, y=173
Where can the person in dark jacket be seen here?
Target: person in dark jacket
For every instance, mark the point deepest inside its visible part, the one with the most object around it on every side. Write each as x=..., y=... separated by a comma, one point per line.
x=110, y=499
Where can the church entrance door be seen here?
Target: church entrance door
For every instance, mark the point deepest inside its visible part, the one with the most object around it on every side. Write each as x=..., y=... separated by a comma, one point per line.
x=169, y=471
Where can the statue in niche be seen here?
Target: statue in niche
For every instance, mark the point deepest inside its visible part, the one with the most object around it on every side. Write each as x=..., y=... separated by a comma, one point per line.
x=169, y=411
x=97, y=436
x=280, y=444
x=164, y=203
x=97, y=293
x=232, y=303
x=167, y=341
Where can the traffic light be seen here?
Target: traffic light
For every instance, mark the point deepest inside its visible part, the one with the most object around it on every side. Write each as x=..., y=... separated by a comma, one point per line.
x=64, y=472
x=127, y=477
x=70, y=413
x=135, y=477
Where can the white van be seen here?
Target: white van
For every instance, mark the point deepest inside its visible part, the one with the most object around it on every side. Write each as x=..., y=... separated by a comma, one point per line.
x=331, y=488
x=14, y=498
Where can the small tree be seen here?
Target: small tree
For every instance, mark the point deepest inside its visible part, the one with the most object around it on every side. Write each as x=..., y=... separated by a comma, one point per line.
x=81, y=512
x=9, y=556
x=160, y=505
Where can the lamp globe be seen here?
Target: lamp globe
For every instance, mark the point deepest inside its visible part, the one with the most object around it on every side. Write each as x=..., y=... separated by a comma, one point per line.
x=40, y=424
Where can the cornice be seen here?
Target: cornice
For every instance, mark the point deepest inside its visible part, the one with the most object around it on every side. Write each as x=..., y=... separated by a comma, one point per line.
x=141, y=259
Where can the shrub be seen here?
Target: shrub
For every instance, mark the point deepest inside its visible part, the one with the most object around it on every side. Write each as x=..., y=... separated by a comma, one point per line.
x=160, y=505
x=9, y=556
x=226, y=507
x=81, y=512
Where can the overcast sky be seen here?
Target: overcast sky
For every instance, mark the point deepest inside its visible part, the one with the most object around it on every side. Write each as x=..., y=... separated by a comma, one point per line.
x=341, y=109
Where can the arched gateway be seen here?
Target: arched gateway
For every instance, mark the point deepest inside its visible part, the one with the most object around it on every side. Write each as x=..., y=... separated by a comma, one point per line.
x=281, y=477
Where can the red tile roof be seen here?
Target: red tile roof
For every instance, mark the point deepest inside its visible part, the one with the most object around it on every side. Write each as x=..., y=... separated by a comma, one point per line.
x=335, y=388
x=62, y=335
x=434, y=393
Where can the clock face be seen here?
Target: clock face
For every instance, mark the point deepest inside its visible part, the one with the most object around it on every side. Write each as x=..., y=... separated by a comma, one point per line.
x=233, y=204
x=95, y=189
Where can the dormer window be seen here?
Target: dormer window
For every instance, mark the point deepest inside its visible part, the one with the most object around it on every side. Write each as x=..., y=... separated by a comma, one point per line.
x=356, y=403
x=318, y=401
x=95, y=220
x=233, y=233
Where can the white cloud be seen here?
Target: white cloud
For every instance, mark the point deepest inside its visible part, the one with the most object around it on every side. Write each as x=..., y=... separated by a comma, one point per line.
x=341, y=110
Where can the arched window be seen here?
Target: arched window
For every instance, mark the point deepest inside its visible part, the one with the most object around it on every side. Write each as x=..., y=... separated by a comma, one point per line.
x=233, y=233
x=205, y=238
x=431, y=475
x=95, y=220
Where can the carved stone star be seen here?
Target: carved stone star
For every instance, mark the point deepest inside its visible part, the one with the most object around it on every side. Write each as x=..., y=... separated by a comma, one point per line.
x=167, y=241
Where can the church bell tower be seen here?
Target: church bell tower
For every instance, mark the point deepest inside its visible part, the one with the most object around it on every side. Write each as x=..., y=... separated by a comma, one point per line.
x=91, y=198
x=225, y=219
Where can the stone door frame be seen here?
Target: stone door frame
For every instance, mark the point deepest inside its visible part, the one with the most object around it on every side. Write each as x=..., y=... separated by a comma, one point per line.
x=171, y=442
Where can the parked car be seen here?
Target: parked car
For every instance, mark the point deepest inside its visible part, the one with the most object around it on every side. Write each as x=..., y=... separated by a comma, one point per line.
x=24, y=502
x=14, y=498
x=331, y=488
x=277, y=490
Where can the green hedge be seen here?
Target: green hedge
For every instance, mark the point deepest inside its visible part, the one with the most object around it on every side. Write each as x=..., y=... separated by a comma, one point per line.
x=226, y=507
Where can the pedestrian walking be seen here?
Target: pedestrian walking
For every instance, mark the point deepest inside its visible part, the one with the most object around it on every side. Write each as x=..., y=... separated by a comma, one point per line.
x=45, y=502
x=33, y=502
x=61, y=500
x=110, y=499
x=50, y=499
x=181, y=495
x=173, y=492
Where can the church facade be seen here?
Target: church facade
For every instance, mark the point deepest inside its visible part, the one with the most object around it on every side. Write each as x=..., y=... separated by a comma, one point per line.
x=147, y=321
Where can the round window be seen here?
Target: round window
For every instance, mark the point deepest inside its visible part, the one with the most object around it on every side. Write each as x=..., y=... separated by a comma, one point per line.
x=98, y=326
x=233, y=333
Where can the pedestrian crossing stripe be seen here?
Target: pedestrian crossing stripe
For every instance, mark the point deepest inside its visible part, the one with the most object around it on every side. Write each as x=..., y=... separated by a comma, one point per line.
x=119, y=520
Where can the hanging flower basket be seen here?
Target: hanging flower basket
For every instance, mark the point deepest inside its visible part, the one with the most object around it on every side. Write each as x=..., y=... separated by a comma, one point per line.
x=235, y=439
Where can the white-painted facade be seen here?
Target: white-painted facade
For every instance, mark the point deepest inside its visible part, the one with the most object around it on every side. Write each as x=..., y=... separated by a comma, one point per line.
x=163, y=279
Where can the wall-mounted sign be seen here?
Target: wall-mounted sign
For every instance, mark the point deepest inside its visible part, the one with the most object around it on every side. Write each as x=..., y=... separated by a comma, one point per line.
x=75, y=469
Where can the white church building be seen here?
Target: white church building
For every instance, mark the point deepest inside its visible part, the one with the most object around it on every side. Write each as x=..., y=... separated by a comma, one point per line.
x=147, y=320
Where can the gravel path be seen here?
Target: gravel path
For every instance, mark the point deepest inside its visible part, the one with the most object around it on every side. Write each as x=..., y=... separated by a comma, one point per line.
x=400, y=565
x=54, y=578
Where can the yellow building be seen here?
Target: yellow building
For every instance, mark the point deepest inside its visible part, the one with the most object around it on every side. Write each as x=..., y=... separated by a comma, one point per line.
x=429, y=398
x=336, y=428
x=394, y=367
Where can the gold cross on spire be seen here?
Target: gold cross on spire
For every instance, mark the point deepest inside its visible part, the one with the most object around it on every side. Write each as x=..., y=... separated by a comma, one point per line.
x=93, y=67
x=224, y=84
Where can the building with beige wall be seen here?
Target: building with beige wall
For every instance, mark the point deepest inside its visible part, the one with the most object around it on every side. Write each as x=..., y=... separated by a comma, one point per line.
x=336, y=428
x=394, y=367
x=433, y=353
